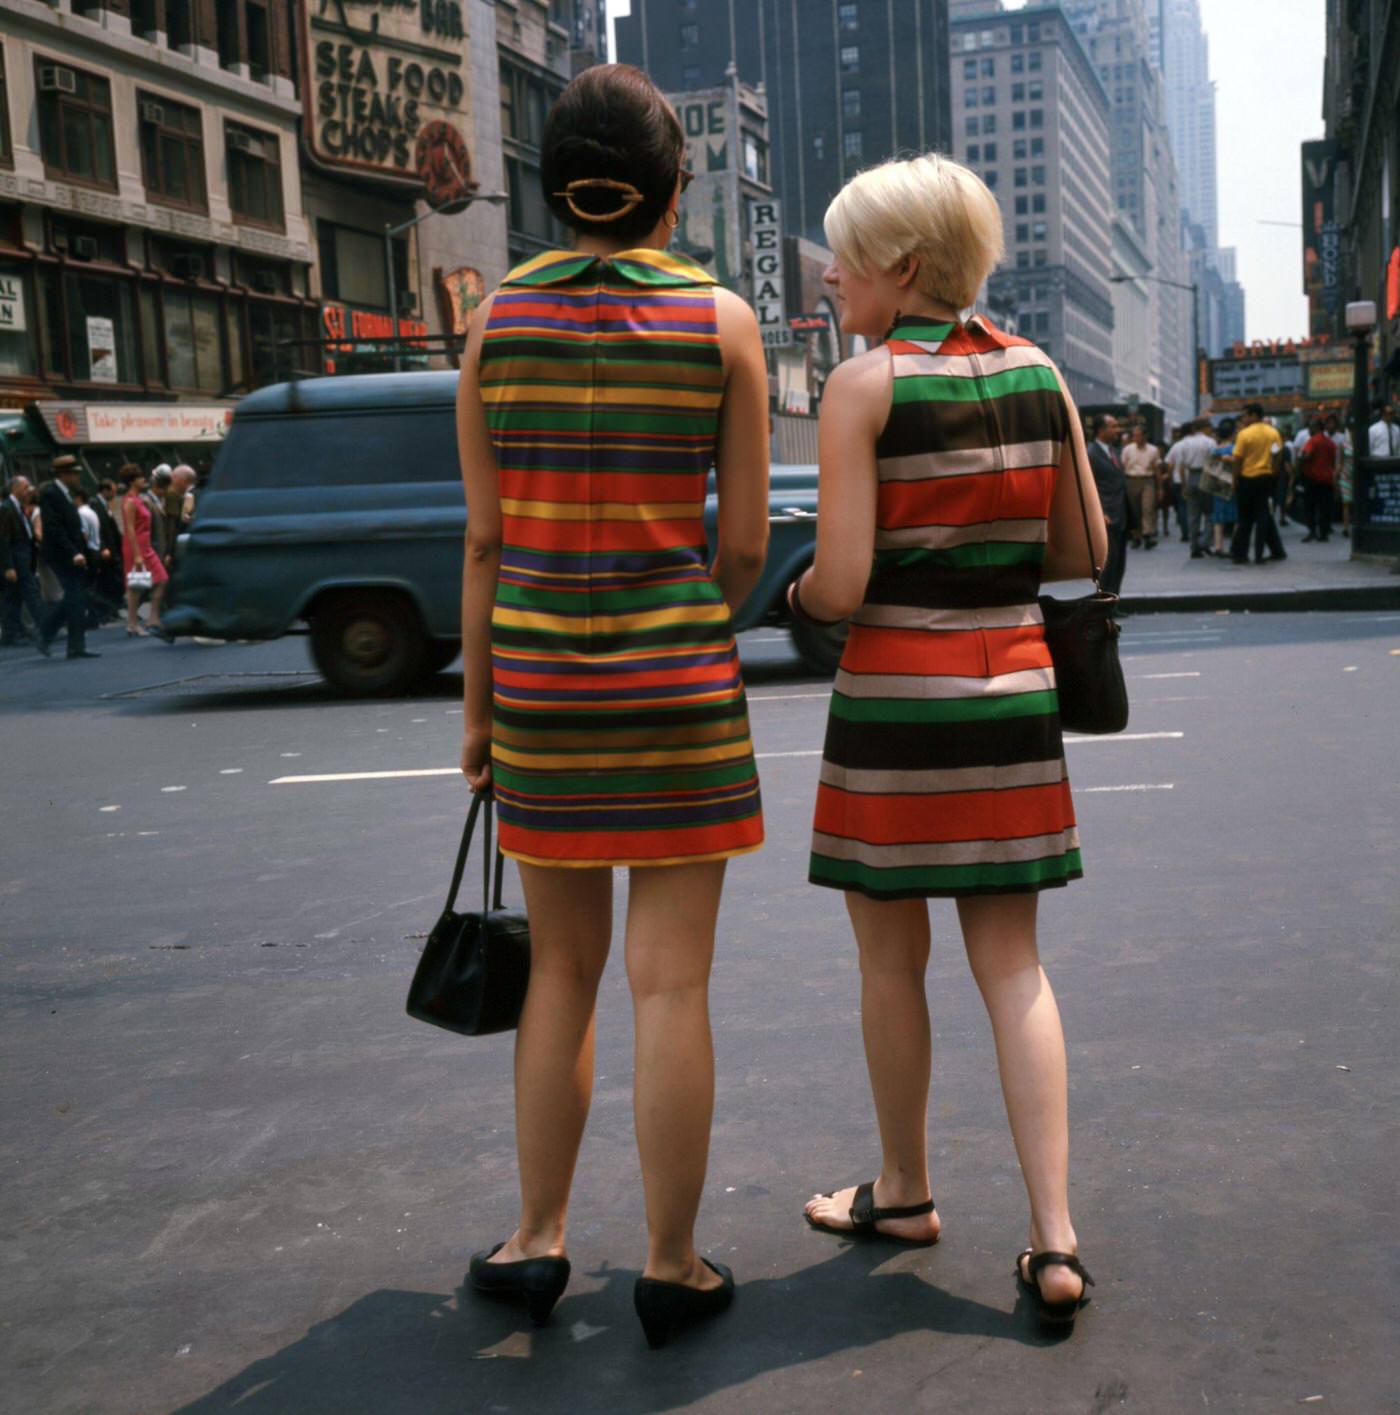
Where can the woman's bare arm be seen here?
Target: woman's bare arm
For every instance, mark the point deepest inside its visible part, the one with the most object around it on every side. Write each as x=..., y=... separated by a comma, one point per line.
x=741, y=453
x=482, y=560
x=855, y=408
x=1067, y=556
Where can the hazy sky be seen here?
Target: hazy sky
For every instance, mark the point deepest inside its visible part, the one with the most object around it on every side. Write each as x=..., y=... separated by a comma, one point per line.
x=1266, y=58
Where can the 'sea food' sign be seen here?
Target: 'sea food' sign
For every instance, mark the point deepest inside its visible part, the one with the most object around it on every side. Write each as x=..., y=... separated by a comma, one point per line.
x=378, y=73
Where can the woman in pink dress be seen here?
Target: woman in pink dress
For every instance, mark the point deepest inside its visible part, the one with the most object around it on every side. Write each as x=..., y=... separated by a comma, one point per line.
x=136, y=546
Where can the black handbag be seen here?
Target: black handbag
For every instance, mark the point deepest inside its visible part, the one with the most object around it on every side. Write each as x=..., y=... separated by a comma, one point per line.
x=472, y=975
x=1083, y=639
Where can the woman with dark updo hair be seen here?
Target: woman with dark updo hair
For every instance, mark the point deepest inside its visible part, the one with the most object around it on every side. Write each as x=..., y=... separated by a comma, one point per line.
x=604, y=707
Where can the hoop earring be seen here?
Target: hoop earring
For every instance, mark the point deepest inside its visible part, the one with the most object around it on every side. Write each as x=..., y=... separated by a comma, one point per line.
x=673, y=218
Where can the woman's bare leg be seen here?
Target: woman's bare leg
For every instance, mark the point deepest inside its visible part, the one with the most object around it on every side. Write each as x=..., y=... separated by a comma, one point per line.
x=671, y=915
x=999, y=932
x=893, y=938
x=570, y=930
x=157, y=599
x=133, y=606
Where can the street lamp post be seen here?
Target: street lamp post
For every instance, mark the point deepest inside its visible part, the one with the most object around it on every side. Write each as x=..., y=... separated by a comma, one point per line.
x=1195, y=290
x=451, y=208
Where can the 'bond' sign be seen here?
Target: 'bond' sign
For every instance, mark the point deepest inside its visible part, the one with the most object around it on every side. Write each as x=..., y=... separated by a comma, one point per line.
x=766, y=231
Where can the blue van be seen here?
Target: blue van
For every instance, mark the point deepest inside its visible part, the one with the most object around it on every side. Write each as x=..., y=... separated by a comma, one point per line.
x=337, y=503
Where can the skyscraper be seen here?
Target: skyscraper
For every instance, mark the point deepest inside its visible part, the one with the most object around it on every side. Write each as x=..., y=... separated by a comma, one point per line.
x=1118, y=37
x=848, y=83
x=1030, y=118
x=1184, y=59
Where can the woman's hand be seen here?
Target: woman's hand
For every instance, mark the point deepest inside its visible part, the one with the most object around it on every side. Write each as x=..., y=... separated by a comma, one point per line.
x=476, y=758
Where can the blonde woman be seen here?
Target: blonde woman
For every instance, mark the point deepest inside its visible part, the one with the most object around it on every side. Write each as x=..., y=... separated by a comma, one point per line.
x=949, y=462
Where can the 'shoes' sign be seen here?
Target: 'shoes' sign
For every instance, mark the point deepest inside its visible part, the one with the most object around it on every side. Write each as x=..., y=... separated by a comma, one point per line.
x=768, y=295
x=380, y=72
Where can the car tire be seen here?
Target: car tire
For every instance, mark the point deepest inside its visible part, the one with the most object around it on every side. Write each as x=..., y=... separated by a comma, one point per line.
x=820, y=645
x=369, y=643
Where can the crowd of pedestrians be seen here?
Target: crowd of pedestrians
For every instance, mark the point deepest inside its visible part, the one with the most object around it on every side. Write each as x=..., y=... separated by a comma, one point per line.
x=73, y=559
x=1228, y=484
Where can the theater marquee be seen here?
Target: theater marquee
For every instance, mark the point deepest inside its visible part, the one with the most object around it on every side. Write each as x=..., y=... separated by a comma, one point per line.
x=381, y=73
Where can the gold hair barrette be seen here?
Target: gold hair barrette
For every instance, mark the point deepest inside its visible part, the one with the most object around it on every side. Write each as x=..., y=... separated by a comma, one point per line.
x=631, y=197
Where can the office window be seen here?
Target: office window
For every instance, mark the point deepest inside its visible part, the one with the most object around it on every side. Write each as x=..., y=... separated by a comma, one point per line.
x=1023, y=260
x=1035, y=90
x=172, y=152
x=990, y=178
x=850, y=58
x=1033, y=34
x=1018, y=63
x=989, y=96
x=1037, y=147
x=1018, y=120
x=989, y=124
x=1038, y=176
x=848, y=16
x=989, y=67
x=971, y=128
x=970, y=98
x=1039, y=259
x=1018, y=149
x=228, y=33
x=1042, y=322
x=75, y=124
x=259, y=40
x=690, y=36
x=755, y=158
x=1021, y=206
x=254, y=176
x=851, y=144
x=1033, y=61
x=989, y=152
x=1038, y=202
x=1018, y=34
x=1023, y=231
x=1018, y=93
x=143, y=18
x=1020, y=176
x=850, y=104
x=1037, y=117
x=974, y=153
x=1038, y=232
x=969, y=68
x=179, y=26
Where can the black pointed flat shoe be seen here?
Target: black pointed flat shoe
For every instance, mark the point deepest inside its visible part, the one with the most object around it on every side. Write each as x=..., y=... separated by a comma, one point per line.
x=664, y=1307
x=864, y=1217
x=1059, y=1315
x=540, y=1281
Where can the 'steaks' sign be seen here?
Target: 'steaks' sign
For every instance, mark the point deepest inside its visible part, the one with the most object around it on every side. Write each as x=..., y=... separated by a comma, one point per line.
x=378, y=72
x=769, y=299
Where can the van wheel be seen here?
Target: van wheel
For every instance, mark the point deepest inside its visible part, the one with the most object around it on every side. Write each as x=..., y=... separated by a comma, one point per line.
x=441, y=653
x=368, y=644
x=820, y=646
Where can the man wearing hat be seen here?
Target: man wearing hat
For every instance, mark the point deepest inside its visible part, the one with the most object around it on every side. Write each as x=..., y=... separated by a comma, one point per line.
x=64, y=549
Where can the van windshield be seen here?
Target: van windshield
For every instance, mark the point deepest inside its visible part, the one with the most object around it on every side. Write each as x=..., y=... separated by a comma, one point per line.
x=339, y=449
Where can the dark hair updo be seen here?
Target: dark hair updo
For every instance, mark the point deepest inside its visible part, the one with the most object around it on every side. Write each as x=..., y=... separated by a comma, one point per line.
x=611, y=123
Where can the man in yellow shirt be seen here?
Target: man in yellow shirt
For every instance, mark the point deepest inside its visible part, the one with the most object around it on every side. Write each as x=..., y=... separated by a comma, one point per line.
x=1258, y=447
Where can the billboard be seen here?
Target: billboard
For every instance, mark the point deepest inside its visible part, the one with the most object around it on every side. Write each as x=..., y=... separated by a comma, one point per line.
x=386, y=91
x=1322, y=241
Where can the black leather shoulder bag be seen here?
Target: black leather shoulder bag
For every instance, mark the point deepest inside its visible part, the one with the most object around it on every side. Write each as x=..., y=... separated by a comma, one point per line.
x=1083, y=639
x=474, y=969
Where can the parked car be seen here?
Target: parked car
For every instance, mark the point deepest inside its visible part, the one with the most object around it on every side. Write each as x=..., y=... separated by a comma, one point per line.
x=337, y=503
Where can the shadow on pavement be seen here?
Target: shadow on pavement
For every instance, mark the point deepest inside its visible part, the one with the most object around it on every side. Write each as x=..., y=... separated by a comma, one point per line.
x=423, y=1352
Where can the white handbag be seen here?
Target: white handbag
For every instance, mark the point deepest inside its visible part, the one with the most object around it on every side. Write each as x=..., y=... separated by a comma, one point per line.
x=138, y=580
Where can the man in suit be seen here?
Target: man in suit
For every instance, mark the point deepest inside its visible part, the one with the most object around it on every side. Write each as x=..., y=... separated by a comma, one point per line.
x=65, y=552
x=110, y=585
x=19, y=569
x=1107, y=465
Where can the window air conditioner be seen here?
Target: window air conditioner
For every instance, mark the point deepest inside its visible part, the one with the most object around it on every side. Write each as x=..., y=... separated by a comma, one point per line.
x=53, y=79
x=244, y=142
x=84, y=248
x=152, y=113
x=187, y=267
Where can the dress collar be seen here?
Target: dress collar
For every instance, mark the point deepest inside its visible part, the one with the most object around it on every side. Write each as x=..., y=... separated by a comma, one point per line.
x=644, y=267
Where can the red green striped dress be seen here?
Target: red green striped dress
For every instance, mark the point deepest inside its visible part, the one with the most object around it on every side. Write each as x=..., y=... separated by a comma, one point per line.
x=620, y=728
x=943, y=772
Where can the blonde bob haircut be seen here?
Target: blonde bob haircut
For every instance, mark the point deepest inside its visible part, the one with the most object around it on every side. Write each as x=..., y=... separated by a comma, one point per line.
x=929, y=207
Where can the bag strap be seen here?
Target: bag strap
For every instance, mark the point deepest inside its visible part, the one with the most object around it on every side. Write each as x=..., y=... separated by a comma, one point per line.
x=1084, y=512
x=479, y=798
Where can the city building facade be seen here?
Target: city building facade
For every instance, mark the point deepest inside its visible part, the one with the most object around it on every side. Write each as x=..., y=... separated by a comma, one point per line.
x=848, y=83
x=1183, y=58
x=1030, y=119
x=1118, y=37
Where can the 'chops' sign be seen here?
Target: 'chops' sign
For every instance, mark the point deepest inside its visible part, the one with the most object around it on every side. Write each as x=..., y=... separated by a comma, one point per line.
x=768, y=295
x=380, y=72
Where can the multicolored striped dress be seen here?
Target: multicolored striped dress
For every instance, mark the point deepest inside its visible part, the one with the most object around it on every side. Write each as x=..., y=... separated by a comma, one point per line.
x=621, y=731
x=944, y=770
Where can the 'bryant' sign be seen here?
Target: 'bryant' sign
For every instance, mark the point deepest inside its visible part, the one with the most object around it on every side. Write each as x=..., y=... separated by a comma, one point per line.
x=769, y=300
x=375, y=80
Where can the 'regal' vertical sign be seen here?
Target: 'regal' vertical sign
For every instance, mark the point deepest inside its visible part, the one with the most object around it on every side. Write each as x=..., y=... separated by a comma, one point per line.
x=378, y=74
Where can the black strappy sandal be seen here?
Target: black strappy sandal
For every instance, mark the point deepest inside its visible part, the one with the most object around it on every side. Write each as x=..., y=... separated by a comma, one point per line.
x=1056, y=1314
x=864, y=1217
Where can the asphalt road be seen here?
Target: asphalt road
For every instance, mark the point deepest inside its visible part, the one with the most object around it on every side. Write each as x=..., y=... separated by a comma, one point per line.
x=237, y=1176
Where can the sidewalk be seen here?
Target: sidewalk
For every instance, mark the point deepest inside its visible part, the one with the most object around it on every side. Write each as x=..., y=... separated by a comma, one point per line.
x=1313, y=577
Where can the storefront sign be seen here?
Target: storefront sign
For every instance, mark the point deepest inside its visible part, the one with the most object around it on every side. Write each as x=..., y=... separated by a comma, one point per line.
x=769, y=299
x=102, y=349
x=347, y=326
x=135, y=423
x=382, y=73
x=808, y=323
x=459, y=292
x=1322, y=241
x=1334, y=380
x=11, y=305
